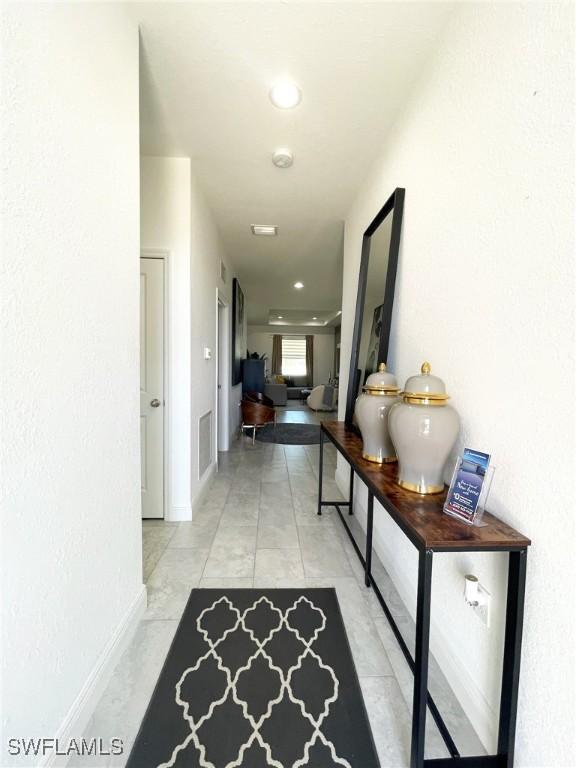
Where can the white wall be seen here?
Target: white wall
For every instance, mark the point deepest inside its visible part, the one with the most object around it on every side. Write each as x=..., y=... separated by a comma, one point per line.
x=174, y=217
x=485, y=149
x=206, y=252
x=71, y=565
x=165, y=226
x=260, y=340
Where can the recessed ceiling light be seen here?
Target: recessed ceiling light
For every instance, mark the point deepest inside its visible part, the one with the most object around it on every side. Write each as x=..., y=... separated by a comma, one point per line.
x=280, y=317
x=285, y=94
x=339, y=312
x=298, y=285
x=282, y=158
x=314, y=318
x=268, y=230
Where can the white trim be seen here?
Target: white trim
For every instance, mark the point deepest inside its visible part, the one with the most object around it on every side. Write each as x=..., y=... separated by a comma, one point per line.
x=82, y=709
x=216, y=377
x=478, y=710
x=221, y=302
x=342, y=478
x=179, y=514
x=203, y=487
x=293, y=330
x=160, y=253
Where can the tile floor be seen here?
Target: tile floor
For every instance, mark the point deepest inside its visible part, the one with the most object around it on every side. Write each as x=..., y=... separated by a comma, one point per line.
x=258, y=527
x=297, y=412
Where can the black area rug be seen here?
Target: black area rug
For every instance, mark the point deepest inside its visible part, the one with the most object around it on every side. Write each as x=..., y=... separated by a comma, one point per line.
x=257, y=679
x=289, y=434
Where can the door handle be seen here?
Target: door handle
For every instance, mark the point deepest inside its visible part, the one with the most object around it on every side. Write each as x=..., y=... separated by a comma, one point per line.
x=155, y=403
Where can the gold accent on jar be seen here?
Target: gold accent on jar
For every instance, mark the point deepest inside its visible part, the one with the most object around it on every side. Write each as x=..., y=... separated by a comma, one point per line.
x=423, y=490
x=419, y=398
x=376, y=460
x=424, y=398
x=381, y=391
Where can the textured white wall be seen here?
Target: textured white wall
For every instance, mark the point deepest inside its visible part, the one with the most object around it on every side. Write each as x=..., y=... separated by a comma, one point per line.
x=71, y=547
x=261, y=342
x=485, y=149
x=206, y=252
x=165, y=225
x=175, y=217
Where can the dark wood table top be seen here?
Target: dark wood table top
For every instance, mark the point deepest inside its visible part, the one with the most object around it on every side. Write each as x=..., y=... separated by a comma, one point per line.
x=421, y=517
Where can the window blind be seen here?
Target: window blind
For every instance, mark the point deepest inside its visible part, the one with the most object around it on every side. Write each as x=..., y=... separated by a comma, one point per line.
x=294, y=356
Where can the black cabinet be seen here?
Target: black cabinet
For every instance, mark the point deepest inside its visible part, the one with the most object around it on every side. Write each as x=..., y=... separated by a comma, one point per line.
x=253, y=375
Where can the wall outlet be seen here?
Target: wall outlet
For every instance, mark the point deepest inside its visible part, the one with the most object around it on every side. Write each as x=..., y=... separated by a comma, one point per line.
x=482, y=610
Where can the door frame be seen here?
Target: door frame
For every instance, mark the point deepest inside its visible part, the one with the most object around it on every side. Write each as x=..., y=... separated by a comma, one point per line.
x=164, y=255
x=225, y=354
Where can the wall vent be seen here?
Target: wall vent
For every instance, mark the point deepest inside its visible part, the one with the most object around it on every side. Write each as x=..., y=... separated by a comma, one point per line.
x=204, y=443
x=223, y=271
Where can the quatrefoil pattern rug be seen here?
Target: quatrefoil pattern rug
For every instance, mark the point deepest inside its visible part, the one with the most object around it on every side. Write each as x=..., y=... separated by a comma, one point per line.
x=257, y=679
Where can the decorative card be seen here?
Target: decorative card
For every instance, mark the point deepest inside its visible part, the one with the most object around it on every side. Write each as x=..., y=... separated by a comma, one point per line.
x=469, y=486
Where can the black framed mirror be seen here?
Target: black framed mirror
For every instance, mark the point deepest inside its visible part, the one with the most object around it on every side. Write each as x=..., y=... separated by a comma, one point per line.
x=375, y=300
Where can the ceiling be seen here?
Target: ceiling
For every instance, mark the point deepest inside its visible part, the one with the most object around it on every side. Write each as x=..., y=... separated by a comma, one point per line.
x=317, y=318
x=207, y=69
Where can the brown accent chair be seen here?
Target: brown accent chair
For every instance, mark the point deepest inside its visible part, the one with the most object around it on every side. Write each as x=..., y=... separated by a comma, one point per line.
x=257, y=411
x=258, y=397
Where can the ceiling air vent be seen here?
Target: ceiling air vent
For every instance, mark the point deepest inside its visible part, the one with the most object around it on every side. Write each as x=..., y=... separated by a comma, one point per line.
x=264, y=230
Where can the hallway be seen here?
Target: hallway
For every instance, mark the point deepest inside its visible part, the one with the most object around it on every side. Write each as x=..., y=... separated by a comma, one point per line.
x=324, y=186
x=258, y=527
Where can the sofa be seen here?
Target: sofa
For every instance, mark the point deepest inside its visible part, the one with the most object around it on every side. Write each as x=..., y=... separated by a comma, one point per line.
x=296, y=385
x=277, y=393
x=290, y=390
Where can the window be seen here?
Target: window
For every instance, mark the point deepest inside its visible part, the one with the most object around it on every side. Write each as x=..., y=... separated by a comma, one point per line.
x=293, y=355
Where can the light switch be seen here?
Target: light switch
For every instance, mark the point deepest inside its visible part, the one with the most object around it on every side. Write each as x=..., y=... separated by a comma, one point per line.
x=207, y=353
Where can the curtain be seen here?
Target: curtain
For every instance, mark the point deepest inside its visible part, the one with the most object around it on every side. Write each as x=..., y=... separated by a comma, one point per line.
x=276, y=353
x=310, y=360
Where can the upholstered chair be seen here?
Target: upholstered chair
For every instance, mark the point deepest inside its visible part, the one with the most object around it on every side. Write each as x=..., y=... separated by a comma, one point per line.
x=322, y=398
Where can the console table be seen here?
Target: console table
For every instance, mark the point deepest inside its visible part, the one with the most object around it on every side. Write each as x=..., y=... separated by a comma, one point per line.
x=423, y=521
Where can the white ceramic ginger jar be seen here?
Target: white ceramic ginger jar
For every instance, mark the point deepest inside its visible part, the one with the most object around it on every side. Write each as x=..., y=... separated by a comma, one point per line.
x=378, y=396
x=423, y=428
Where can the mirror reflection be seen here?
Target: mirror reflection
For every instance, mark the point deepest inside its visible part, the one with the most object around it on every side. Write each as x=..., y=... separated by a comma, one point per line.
x=375, y=298
x=374, y=301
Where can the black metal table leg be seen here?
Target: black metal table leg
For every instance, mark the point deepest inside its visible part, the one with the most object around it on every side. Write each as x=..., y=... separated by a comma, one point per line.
x=369, y=530
x=421, y=658
x=320, y=470
x=351, y=497
x=512, y=653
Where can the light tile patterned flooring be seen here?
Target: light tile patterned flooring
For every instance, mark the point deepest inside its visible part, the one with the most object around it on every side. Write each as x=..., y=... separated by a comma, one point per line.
x=258, y=527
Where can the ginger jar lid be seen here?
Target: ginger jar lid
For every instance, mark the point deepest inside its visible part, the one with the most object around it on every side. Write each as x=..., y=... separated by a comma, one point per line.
x=381, y=382
x=425, y=389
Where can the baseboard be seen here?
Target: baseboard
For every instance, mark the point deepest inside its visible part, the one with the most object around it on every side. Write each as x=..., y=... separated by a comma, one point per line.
x=83, y=707
x=179, y=514
x=186, y=513
x=342, y=478
x=456, y=672
x=204, y=486
x=465, y=688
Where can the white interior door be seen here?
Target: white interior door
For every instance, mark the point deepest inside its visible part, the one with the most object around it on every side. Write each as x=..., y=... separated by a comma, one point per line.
x=152, y=386
x=222, y=373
